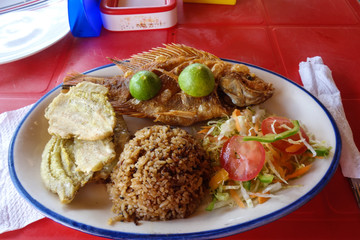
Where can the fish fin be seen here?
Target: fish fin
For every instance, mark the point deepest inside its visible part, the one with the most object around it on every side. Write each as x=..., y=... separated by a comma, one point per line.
x=124, y=108
x=178, y=113
x=123, y=65
x=137, y=115
x=134, y=114
x=161, y=54
x=129, y=112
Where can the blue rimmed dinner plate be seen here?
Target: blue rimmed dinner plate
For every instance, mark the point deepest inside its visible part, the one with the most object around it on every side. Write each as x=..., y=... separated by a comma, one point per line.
x=91, y=209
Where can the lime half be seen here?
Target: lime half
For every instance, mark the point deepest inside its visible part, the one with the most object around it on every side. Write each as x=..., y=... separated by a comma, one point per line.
x=197, y=80
x=144, y=85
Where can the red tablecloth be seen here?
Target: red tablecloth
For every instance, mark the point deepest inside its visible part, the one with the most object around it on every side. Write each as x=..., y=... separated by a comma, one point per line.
x=273, y=34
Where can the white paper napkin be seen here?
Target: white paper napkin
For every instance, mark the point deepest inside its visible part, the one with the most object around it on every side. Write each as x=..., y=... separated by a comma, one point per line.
x=15, y=212
x=318, y=80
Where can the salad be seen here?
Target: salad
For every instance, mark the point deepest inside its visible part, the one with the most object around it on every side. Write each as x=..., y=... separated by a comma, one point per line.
x=255, y=154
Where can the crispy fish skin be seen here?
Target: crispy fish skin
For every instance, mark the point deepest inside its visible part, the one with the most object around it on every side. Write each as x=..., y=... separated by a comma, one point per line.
x=235, y=86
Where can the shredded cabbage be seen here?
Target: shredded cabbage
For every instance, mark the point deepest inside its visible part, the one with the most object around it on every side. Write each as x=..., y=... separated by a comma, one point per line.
x=227, y=129
x=277, y=164
x=246, y=196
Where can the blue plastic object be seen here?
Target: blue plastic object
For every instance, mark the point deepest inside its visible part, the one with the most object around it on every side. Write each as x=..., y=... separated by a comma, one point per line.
x=84, y=18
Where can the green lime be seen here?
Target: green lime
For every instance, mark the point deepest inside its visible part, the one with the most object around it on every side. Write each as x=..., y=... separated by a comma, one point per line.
x=144, y=85
x=197, y=80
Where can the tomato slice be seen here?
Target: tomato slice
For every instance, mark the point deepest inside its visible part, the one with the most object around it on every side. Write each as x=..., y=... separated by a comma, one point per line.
x=243, y=160
x=282, y=145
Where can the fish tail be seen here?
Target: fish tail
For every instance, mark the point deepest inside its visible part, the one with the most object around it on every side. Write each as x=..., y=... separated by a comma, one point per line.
x=123, y=108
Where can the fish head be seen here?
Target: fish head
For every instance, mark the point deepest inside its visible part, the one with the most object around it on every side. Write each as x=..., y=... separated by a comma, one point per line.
x=242, y=88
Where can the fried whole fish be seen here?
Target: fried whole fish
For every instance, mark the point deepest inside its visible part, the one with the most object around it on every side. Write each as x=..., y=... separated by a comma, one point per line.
x=235, y=86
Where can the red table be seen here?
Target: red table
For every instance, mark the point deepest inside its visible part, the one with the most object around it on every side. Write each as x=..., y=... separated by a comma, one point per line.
x=273, y=34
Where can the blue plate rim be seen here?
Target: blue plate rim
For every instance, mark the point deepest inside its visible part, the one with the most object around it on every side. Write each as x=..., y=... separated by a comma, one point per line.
x=216, y=233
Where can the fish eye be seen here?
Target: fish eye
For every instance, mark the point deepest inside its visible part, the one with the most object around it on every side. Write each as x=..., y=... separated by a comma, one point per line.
x=249, y=77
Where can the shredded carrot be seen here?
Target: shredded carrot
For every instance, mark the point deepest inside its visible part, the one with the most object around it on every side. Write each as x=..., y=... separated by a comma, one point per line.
x=205, y=129
x=217, y=168
x=215, y=139
x=219, y=177
x=284, y=158
x=298, y=172
x=294, y=148
x=234, y=115
x=261, y=200
x=274, y=153
x=281, y=162
x=285, y=163
x=279, y=168
x=276, y=160
x=236, y=198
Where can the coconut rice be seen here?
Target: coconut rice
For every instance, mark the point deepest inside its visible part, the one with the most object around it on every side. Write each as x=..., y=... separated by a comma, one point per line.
x=161, y=175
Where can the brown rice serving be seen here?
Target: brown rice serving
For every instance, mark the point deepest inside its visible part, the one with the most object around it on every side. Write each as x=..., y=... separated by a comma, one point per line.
x=161, y=175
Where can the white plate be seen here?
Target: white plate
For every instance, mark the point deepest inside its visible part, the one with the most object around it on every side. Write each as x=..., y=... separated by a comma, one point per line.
x=91, y=208
x=27, y=31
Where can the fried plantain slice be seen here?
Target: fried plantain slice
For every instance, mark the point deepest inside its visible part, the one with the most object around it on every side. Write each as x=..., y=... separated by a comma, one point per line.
x=83, y=113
